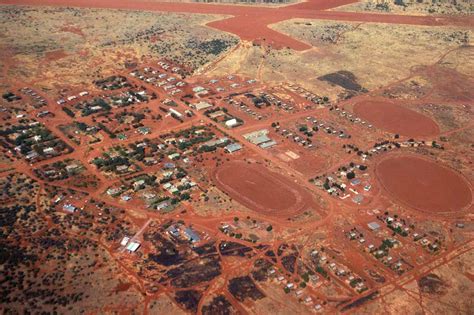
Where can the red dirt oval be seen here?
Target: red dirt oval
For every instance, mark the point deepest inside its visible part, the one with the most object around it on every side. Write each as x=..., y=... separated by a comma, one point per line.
x=423, y=184
x=261, y=190
x=396, y=119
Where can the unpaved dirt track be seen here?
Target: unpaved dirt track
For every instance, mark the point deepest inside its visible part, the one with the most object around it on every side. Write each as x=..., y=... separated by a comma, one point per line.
x=261, y=190
x=251, y=23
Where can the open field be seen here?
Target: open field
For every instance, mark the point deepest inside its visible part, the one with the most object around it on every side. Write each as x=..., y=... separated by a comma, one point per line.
x=443, y=7
x=49, y=42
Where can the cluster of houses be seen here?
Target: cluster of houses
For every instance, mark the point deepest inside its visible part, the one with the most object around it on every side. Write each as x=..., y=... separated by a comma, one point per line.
x=306, y=94
x=39, y=100
x=232, y=85
x=352, y=118
x=115, y=162
x=103, y=103
x=327, y=127
x=202, y=139
x=387, y=146
x=401, y=227
x=182, y=232
x=293, y=135
x=129, y=97
x=172, y=179
x=158, y=78
x=220, y=115
x=342, y=272
x=71, y=98
x=35, y=142
x=244, y=108
x=59, y=170
x=167, y=66
x=299, y=292
x=344, y=183
x=180, y=185
x=382, y=252
x=265, y=98
x=113, y=82
x=218, y=88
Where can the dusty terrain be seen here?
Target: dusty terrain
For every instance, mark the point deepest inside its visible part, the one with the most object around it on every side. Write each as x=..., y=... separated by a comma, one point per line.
x=236, y=158
x=423, y=7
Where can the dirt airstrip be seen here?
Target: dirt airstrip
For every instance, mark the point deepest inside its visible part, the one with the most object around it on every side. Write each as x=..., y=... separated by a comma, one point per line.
x=251, y=23
x=396, y=119
x=423, y=184
x=262, y=190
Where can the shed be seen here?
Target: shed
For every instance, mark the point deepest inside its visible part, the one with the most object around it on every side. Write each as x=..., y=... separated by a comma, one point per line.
x=133, y=246
x=231, y=123
x=125, y=241
x=192, y=235
x=202, y=106
x=69, y=208
x=233, y=147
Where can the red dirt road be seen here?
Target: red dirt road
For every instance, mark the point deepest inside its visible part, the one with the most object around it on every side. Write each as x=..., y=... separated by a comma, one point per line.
x=251, y=23
x=261, y=190
x=424, y=184
x=396, y=119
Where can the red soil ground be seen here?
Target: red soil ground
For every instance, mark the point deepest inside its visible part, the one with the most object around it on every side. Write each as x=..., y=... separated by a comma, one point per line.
x=423, y=184
x=396, y=119
x=261, y=190
x=309, y=163
x=251, y=22
x=55, y=55
x=72, y=29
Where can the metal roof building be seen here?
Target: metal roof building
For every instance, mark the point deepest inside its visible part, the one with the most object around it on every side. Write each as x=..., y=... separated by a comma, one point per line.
x=233, y=147
x=373, y=226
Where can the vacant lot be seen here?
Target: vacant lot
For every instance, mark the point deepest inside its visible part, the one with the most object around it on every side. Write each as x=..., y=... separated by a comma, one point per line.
x=376, y=54
x=440, y=7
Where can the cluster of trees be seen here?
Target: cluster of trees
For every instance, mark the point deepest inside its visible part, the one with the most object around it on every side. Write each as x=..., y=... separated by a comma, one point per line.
x=69, y=112
x=112, y=83
x=191, y=142
x=87, y=110
x=214, y=46
x=137, y=117
x=110, y=163
x=10, y=97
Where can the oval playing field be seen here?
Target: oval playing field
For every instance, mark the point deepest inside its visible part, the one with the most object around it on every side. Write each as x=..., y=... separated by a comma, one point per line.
x=424, y=184
x=261, y=190
x=396, y=119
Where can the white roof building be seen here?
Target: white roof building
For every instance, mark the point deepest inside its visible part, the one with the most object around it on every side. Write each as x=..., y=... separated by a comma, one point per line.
x=133, y=246
x=202, y=106
x=231, y=123
x=125, y=241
